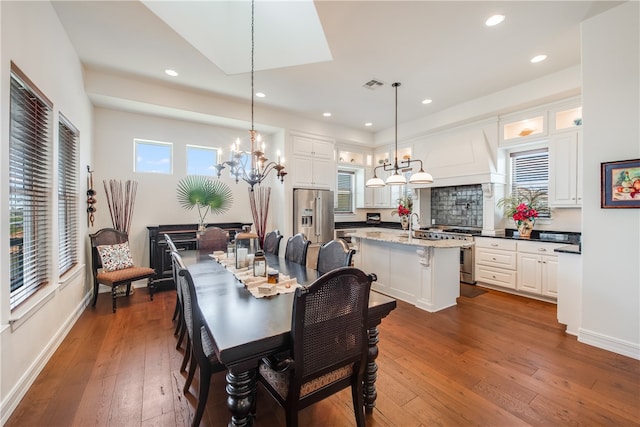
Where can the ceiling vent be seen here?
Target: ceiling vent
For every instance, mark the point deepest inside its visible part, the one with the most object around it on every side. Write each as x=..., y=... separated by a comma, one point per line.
x=373, y=84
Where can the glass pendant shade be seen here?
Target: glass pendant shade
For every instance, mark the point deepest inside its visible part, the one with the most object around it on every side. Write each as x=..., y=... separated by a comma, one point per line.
x=375, y=182
x=421, y=177
x=396, y=179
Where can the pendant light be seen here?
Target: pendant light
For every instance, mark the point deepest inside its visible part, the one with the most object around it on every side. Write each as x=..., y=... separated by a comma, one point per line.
x=397, y=178
x=255, y=171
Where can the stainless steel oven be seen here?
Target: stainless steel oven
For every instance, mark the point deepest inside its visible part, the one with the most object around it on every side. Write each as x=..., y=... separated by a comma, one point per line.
x=467, y=255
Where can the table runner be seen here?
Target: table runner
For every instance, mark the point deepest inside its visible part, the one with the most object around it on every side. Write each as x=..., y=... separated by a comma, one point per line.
x=257, y=286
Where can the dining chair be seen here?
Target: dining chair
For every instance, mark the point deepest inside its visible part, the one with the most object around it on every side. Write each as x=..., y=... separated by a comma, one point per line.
x=330, y=344
x=272, y=242
x=181, y=328
x=112, y=264
x=203, y=353
x=296, y=250
x=214, y=239
x=334, y=254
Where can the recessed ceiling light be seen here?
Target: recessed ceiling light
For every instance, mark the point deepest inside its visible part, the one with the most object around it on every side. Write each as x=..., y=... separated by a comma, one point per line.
x=170, y=72
x=538, y=58
x=260, y=95
x=494, y=20
x=326, y=114
x=368, y=124
x=427, y=101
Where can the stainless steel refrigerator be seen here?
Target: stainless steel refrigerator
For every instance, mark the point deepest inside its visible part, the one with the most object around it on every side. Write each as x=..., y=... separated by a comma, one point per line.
x=313, y=214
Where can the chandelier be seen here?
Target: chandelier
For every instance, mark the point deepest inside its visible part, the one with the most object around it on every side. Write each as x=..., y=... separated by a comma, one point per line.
x=397, y=178
x=259, y=167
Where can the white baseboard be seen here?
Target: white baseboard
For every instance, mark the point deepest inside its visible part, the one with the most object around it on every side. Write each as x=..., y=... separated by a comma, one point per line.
x=15, y=395
x=608, y=343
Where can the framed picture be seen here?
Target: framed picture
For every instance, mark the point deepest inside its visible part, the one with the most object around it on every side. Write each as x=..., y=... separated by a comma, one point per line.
x=621, y=184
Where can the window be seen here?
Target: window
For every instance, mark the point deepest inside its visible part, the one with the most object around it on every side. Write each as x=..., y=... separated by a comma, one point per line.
x=344, y=199
x=153, y=156
x=201, y=160
x=530, y=170
x=29, y=187
x=67, y=196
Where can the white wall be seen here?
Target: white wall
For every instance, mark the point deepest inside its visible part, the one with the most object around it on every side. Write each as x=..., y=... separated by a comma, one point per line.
x=611, y=237
x=33, y=38
x=156, y=202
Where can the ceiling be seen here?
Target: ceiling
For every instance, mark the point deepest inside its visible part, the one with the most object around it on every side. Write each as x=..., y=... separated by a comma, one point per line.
x=439, y=50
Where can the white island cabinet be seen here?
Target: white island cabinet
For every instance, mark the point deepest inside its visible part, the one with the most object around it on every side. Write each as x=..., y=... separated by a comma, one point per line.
x=425, y=273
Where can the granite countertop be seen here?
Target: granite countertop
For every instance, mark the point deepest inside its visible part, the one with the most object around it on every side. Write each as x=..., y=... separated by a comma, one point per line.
x=393, y=236
x=570, y=249
x=568, y=237
x=362, y=224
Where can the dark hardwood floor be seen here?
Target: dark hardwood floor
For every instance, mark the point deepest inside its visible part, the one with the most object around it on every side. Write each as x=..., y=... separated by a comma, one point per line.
x=494, y=360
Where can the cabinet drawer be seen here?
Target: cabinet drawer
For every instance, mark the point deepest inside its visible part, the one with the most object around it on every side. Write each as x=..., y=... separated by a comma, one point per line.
x=496, y=258
x=538, y=248
x=496, y=276
x=503, y=244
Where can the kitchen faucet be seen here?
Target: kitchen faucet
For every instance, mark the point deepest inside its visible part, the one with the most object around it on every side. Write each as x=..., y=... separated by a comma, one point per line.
x=411, y=222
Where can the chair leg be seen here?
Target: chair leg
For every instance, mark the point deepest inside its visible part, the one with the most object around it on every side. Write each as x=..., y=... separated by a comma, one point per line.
x=357, y=394
x=203, y=394
x=152, y=287
x=192, y=371
x=292, y=416
x=176, y=311
x=128, y=289
x=187, y=355
x=183, y=332
x=95, y=293
x=114, y=294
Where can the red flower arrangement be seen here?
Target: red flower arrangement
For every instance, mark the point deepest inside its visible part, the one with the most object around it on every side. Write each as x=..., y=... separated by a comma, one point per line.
x=403, y=211
x=524, y=212
x=405, y=206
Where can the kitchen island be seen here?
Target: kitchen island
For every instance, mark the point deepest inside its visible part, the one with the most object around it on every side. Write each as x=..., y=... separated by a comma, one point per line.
x=425, y=273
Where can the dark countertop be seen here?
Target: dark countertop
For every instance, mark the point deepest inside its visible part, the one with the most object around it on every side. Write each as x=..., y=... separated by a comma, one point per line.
x=570, y=249
x=568, y=237
x=362, y=224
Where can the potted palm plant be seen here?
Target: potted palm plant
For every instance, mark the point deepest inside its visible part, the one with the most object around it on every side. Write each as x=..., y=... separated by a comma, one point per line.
x=524, y=205
x=206, y=195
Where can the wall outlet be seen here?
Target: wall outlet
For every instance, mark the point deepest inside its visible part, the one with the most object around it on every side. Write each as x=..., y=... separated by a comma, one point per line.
x=433, y=221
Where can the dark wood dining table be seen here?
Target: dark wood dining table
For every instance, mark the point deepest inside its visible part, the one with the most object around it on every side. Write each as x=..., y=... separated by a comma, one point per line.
x=245, y=328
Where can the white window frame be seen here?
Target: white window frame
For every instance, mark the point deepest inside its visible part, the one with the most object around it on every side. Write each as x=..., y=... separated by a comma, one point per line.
x=30, y=188
x=211, y=170
x=169, y=145
x=524, y=150
x=352, y=192
x=68, y=199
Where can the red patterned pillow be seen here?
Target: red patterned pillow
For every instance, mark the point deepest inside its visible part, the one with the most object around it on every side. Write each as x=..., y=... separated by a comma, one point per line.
x=115, y=257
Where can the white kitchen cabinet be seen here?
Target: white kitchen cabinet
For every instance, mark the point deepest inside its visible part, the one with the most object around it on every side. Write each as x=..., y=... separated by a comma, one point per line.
x=313, y=163
x=565, y=169
x=495, y=261
x=537, y=268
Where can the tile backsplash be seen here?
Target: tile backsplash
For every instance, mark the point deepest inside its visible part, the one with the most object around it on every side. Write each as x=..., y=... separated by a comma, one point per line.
x=459, y=205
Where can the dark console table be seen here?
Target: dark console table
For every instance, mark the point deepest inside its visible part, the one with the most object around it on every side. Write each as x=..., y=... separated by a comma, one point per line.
x=185, y=238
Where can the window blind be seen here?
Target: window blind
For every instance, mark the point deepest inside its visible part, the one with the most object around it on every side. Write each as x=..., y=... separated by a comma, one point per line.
x=29, y=187
x=530, y=170
x=344, y=193
x=67, y=196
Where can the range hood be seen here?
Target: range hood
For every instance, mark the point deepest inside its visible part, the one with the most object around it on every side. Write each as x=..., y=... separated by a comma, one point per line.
x=462, y=156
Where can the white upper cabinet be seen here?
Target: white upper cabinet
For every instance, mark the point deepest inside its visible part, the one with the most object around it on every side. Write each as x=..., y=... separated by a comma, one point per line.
x=313, y=163
x=565, y=169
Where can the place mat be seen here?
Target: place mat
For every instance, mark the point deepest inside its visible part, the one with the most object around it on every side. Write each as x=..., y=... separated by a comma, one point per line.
x=257, y=286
